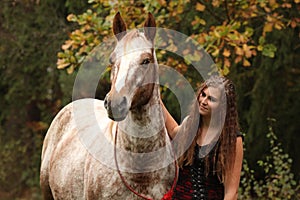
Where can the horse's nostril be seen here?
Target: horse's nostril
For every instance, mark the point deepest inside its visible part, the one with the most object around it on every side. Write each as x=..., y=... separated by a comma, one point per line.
x=124, y=102
x=105, y=103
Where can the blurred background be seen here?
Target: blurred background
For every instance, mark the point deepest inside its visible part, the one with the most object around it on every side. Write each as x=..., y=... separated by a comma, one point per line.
x=255, y=43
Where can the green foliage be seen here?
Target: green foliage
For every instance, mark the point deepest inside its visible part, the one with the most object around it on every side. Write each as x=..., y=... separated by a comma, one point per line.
x=30, y=91
x=225, y=29
x=279, y=182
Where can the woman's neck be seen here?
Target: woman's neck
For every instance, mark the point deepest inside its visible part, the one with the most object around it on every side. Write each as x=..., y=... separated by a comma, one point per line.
x=206, y=132
x=205, y=122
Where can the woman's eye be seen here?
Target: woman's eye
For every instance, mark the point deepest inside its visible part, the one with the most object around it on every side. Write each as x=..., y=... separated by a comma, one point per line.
x=146, y=61
x=203, y=94
x=212, y=99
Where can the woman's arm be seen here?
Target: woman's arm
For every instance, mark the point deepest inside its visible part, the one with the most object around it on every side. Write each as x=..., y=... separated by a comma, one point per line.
x=171, y=124
x=232, y=181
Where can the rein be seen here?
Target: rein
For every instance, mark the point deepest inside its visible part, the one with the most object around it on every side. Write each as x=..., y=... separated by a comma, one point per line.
x=167, y=196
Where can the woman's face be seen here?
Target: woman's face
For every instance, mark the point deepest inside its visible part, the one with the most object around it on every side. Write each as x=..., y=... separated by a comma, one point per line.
x=209, y=100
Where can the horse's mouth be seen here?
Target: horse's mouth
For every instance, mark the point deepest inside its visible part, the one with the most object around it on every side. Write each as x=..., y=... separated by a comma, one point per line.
x=116, y=118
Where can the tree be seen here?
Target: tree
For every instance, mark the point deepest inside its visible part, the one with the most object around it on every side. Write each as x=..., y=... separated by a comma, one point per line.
x=30, y=86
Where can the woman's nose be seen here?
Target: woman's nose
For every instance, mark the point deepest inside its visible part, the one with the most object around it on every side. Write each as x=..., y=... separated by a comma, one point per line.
x=204, y=101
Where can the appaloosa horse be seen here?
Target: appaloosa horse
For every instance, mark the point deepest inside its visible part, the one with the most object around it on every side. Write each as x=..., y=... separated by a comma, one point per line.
x=119, y=148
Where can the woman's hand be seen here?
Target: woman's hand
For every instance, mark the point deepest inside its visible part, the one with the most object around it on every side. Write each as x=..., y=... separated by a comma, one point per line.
x=170, y=123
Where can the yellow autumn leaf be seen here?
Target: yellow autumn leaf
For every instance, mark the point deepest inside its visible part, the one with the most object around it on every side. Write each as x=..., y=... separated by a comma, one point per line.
x=239, y=51
x=293, y=23
x=215, y=3
x=200, y=7
x=273, y=4
x=226, y=53
x=70, y=70
x=162, y=2
x=71, y=17
x=225, y=71
x=279, y=25
x=286, y=5
x=238, y=59
x=268, y=27
x=247, y=51
x=270, y=18
x=202, y=21
x=246, y=63
x=201, y=40
x=260, y=47
x=267, y=9
x=193, y=23
x=227, y=62
x=62, y=66
x=67, y=44
x=215, y=53
x=216, y=33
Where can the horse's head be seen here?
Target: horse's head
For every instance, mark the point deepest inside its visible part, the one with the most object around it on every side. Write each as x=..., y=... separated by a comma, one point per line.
x=134, y=68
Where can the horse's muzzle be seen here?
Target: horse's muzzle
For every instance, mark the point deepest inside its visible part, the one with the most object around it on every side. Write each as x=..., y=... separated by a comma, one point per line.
x=117, y=108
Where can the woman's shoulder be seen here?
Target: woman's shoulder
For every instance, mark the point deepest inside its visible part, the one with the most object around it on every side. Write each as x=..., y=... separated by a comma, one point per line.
x=240, y=134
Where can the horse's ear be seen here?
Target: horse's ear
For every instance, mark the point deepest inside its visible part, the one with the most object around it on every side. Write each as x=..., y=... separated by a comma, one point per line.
x=150, y=32
x=119, y=26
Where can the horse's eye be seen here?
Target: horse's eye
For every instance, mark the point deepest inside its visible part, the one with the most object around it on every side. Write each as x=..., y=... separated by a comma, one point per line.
x=146, y=61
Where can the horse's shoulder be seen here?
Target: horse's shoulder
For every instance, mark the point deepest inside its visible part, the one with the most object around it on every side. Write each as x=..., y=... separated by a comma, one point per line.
x=74, y=117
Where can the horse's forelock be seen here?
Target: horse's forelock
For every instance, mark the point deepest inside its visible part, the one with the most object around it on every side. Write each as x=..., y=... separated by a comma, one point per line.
x=133, y=41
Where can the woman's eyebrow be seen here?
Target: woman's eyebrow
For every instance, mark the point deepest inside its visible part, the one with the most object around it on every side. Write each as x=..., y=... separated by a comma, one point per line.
x=212, y=97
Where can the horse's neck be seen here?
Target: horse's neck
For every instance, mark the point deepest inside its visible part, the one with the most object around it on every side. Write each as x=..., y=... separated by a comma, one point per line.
x=144, y=129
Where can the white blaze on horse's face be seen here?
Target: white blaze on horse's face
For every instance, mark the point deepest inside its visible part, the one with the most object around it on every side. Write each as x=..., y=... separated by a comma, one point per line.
x=134, y=68
x=131, y=57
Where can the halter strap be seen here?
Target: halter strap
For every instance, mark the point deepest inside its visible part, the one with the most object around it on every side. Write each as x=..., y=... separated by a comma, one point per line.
x=167, y=196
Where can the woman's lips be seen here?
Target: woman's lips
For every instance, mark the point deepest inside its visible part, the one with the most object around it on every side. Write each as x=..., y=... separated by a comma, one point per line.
x=203, y=107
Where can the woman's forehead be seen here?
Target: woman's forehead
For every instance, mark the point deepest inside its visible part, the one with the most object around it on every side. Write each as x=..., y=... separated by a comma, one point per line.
x=212, y=91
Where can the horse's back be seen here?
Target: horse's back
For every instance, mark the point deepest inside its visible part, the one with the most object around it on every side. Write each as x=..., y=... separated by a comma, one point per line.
x=65, y=153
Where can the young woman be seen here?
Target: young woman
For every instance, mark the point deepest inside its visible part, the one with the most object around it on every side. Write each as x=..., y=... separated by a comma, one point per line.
x=210, y=143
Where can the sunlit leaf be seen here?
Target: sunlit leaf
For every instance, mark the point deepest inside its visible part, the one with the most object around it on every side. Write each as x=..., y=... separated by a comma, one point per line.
x=62, y=66
x=268, y=27
x=227, y=62
x=246, y=63
x=238, y=59
x=70, y=69
x=225, y=71
x=226, y=53
x=247, y=51
x=216, y=52
x=67, y=45
x=239, y=51
x=71, y=18
x=200, y=7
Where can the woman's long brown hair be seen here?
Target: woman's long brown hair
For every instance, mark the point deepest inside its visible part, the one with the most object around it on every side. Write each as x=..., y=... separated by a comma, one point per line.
x=224, y=153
